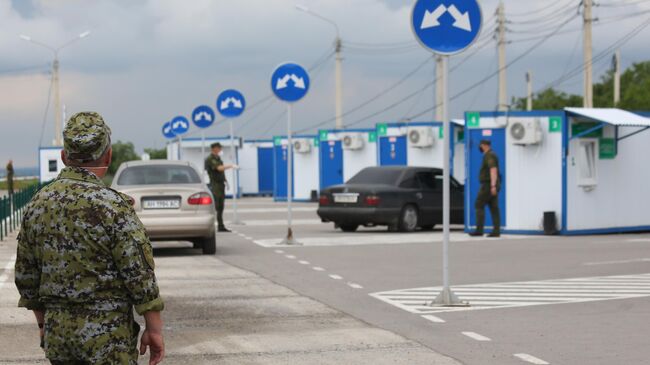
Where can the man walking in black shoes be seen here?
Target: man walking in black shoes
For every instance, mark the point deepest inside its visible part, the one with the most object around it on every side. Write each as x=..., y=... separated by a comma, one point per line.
x=488, y=194
x=216, y=170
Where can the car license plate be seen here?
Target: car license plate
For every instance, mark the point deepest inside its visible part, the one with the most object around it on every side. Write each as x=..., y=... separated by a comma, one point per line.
x=161, y=204
x=346, y=198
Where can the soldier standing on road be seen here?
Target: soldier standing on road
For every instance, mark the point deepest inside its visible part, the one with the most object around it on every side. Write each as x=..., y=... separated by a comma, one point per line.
x=84, y=260
x=10, y=178
x=216, y=170
x=488, y=194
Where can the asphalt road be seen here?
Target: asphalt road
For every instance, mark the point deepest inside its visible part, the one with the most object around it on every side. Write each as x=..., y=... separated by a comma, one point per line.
x=542, y=316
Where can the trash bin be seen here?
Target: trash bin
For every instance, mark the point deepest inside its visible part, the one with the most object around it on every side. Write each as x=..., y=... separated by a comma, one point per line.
x=550, y=223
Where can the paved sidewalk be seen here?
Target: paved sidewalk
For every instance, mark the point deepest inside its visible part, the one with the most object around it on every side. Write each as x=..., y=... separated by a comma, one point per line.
x=217, y=313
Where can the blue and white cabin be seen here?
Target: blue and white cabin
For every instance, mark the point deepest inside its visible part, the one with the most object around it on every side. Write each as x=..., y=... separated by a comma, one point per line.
x=305, y=167
x=574, y=171
x=421, y=144
x=49, y=163
x=256, y=167
x=191, y=150
x=343, y=153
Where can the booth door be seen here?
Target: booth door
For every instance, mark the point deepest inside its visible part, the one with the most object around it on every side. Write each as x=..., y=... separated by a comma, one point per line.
x=498, y=139
x=331, y=163
x=265, y=170
x=280, y=167
x=392, y=151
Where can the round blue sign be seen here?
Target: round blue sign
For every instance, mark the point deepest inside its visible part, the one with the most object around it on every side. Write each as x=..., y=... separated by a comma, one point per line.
x=231, y=103
x=446, y=27
x=203, y=116
x=180, y=125
x=290, y=82
x=167, y=130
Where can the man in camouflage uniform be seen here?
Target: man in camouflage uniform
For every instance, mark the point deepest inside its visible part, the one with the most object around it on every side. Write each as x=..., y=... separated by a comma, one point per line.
x=216, y=170
x=10, y=178
x=488, y=194
x=84, y=260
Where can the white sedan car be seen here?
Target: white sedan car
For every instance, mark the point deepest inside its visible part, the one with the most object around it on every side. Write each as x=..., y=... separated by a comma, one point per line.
x=171, y=200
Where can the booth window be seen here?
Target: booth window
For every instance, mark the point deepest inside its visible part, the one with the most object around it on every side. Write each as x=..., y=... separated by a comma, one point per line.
x=587, y=163
x=52, y=166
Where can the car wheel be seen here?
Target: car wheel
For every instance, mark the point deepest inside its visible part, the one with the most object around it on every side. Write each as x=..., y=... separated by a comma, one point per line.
x=408, y=220
x=349, y=227
x=209, y=244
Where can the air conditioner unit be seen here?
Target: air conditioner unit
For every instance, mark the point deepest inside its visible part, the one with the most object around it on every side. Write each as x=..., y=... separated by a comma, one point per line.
x=421, y=137
x=302, y=146
x=353, y=141
x=525, y=131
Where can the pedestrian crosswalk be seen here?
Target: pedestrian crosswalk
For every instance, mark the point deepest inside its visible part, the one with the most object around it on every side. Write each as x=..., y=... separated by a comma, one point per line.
x=522, y=294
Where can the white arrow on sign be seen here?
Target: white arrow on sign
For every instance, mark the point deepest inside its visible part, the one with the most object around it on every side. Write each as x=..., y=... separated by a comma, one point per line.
x=461, y=20
x=168, y=130
x=298, y=82
x=282, y=83
x=234, y=101
x=203, y=116
x=180, y=123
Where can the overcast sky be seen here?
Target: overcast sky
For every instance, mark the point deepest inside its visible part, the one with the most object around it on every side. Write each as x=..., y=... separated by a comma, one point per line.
x=147, y=61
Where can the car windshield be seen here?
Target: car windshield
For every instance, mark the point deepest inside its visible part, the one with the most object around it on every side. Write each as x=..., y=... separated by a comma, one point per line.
x=376, y=176
x=158, y=175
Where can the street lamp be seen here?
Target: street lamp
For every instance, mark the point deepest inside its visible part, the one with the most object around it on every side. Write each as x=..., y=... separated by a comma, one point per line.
x=55, y=80
x=339, y=62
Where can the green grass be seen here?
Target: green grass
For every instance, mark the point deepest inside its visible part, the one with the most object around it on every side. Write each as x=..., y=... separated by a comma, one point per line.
x=18, y=184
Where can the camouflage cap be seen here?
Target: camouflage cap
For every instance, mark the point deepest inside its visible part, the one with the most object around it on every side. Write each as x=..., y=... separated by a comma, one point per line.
x=86, y=137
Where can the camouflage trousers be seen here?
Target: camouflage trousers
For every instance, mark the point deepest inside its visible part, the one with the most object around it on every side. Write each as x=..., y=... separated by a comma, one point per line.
x=90, y=337
x=219, y=192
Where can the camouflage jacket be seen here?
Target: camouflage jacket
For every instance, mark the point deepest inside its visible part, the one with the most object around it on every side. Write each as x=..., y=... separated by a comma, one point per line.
x=81, y=245
x=212, y=164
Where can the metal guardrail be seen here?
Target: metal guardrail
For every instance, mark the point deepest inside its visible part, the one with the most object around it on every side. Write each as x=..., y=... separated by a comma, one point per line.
x=12, y=208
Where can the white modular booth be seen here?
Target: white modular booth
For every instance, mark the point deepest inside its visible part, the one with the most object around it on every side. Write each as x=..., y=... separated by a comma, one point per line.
x=194, y=151
x=343, y=153
x=305, y=177
x=421, y=144
x=256, y=162
x=567, y=172
x=49, y=163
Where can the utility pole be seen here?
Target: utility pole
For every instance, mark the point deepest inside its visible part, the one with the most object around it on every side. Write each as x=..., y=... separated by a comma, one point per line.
x=439, y=88
x=58, y=130
x=501, y=44
x=617, y=78
x=339, y=83
x=529, y=99
x=588, y=49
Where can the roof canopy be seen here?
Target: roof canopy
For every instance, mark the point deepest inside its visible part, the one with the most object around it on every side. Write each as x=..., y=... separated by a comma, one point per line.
x=611, y=116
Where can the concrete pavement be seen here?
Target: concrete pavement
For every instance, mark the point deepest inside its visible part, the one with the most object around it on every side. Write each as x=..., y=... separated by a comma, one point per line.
x=218, y=313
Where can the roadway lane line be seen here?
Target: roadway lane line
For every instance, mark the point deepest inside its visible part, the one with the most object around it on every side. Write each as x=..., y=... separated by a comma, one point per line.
x=276, y=210
x=434, y=319
x=303, y=262
x=280, y=222
x=336, y=277
x=476, y=336
x=355, y=286
x=317, y=268
x=290, y=257
x=279, y=252
x=5, y=272
x=632, y=261
x=531, y=359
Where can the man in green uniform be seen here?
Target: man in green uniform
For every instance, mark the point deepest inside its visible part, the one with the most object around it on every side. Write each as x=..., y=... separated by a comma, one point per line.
x=216, y=170
x=84, y=260
x=488, y=194
x=10, y=178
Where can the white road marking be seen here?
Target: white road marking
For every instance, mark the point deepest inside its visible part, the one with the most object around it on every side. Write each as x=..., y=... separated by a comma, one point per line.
x=336, y=277
x=248, y=238
x=280, y=222
x=355, y=286
x=522, y=294
x=5, y=272
x=276, y=210
x=279, y=251
x=531, y=359
x=316, y=268
x=363, y=238
x=290, y=257
x=476, y=336
x=631, y=261
x=302, y=262
x=639, y=240
x=434, y=319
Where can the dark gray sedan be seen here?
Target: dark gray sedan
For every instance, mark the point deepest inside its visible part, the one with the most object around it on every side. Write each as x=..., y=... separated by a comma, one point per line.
x=402, y=198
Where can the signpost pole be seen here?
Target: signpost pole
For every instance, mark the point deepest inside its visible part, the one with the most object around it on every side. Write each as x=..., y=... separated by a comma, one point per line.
x=180, y=147
x=202, y=143
x=289, y=239
x=235, y=174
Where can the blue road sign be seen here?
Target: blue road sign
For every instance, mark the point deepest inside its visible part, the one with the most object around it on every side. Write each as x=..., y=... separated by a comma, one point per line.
x=290, y=82
x=167, y=130
x=203, y=116
x=180, y=125
x=446, y=26
x=231, y=103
